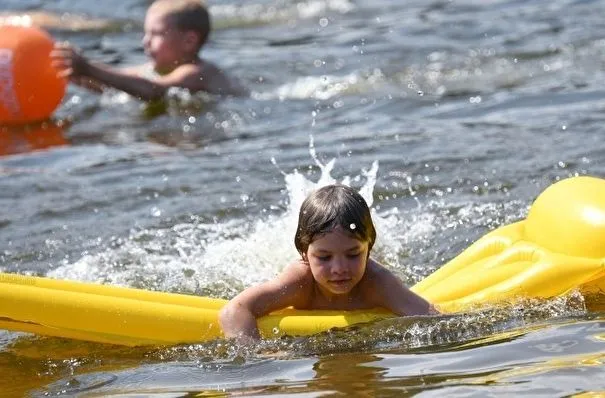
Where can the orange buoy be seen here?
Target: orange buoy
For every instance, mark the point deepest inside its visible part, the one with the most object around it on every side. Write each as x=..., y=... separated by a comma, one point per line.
x=29, y=87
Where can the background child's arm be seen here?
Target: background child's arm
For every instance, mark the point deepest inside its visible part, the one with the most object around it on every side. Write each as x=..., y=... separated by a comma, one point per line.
x=88, y=83
x=388, y=291
x=98, y=87
x=72, y=64
x=291, y=288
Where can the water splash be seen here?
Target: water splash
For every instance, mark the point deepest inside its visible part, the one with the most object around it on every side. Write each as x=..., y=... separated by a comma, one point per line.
x=220, y=258
x=7, y=338
x=435, y=333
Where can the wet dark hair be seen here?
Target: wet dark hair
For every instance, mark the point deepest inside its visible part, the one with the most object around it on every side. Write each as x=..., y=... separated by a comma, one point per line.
x=188, y=15
x=330, y=207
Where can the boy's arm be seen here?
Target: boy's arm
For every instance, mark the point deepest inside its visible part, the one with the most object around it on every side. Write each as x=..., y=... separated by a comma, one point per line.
x=136, y=86
x=96, y=86
x=388, y=291
x=291, y=288
x=72, y=64
x=88, y=83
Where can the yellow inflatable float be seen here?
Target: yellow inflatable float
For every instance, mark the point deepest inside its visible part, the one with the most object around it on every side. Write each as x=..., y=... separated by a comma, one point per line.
x=558, y=248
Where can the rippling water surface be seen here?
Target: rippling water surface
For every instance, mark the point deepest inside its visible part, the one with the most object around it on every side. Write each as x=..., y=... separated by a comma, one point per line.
x=451, y=116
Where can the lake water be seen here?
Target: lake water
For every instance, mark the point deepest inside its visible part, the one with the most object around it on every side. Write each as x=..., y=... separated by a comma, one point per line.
x=451, y=116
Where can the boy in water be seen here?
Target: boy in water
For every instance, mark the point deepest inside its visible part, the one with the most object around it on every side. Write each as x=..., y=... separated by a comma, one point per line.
x=175, y=31
x=334, y=237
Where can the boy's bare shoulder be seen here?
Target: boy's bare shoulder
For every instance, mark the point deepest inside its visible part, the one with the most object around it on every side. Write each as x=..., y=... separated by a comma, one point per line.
x=375, y=270
x=298, y=270
x=297, y=282
x=194, y=76
x=216, y=81
x=376, y=277
x=142, y=70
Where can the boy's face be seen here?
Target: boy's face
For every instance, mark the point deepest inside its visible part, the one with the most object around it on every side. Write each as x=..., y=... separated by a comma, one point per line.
x=163, y=42
x=337, y=261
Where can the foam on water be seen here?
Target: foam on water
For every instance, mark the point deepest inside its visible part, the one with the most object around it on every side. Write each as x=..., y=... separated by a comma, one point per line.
x=253, y=14
x=325, y=87
x=7, y=338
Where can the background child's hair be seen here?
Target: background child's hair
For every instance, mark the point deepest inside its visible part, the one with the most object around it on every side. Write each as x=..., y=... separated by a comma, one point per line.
x=330, y=207
x=188, y=15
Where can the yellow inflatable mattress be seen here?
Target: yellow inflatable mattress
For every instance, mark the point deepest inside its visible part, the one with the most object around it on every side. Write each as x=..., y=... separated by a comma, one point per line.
x=559, y=247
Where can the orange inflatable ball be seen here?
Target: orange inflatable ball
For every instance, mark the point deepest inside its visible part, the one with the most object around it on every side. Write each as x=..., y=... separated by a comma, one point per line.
x=29, y=87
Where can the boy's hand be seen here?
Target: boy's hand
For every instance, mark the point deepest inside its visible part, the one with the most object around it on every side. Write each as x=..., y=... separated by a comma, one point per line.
x=68, y=61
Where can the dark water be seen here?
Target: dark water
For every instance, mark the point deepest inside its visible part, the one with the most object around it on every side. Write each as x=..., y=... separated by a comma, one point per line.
x=451, y=115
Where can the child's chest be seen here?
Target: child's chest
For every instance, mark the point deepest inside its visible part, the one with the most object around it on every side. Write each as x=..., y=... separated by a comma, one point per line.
x=354, y=300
